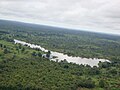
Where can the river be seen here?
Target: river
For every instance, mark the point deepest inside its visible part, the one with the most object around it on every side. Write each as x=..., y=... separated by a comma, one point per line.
x=61, y=56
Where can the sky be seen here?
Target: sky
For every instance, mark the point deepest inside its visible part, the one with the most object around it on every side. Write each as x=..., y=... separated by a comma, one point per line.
x=90, y=15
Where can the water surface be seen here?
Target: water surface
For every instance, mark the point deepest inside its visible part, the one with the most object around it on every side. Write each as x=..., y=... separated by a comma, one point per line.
x=61, y=56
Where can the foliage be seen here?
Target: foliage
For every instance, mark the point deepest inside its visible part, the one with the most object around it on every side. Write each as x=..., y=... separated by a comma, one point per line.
x=23, y=68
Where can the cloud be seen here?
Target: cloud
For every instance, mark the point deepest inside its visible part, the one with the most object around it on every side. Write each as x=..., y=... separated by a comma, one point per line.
x=92, y=15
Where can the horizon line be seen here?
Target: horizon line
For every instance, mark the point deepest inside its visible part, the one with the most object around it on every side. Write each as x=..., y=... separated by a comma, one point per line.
x=60, y=27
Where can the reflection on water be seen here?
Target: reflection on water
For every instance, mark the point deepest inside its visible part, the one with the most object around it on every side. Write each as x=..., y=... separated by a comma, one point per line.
x=61, y=56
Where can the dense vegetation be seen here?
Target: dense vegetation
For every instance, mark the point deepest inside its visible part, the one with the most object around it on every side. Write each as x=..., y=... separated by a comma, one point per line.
x=24, y=68
x=71, y=42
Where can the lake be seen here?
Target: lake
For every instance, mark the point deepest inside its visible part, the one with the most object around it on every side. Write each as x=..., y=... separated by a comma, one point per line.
x=61, y=56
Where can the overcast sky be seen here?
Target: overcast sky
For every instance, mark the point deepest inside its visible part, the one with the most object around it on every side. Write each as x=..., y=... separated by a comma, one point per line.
x=92, y=15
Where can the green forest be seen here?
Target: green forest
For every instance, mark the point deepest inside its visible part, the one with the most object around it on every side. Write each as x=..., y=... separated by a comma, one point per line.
x=23, y=68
